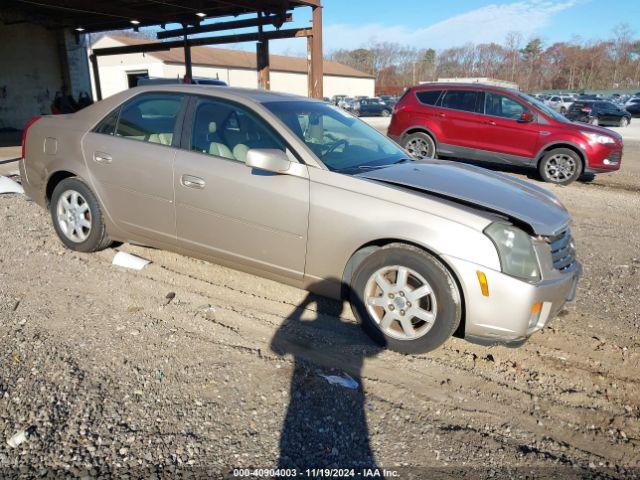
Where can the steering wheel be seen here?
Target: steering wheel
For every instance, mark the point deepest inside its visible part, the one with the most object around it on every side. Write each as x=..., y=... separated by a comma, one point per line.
x=335, y=145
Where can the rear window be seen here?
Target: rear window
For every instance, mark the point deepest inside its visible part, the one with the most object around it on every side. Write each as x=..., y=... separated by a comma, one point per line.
x=465, y=100
x=428, y=97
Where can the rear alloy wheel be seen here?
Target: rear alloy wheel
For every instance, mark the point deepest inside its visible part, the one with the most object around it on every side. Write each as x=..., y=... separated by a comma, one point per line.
x=561, y=166
x=386, y=113
x=624, y=121
x=594, y=121
x=77, y=217
x=563, y=110
x=405, y=299
x=420, y=145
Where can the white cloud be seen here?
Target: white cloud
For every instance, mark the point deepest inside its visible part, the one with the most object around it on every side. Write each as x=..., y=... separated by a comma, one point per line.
x=490, y=23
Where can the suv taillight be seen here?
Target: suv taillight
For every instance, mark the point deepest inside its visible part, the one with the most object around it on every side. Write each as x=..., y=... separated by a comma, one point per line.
x=31, y=121
x=586, y=109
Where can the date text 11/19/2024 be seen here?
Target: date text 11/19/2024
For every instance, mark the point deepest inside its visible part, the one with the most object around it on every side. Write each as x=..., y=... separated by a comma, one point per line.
x=315, y=473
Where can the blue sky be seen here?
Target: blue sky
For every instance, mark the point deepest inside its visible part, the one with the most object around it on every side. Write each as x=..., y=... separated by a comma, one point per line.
x=445, y=23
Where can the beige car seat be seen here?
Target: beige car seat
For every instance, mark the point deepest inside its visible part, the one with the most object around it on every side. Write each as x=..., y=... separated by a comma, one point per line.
x=215, y=147
x=161, y=138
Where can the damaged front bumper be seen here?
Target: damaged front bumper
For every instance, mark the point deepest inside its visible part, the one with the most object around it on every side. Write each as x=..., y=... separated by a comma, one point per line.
x=513, y=309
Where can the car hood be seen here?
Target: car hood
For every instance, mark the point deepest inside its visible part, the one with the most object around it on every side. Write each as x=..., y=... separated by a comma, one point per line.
x=479, y=187
x=583, y=127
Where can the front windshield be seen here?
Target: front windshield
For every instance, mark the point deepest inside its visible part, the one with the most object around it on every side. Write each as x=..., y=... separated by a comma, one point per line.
x=546, y=109
x=342, y=142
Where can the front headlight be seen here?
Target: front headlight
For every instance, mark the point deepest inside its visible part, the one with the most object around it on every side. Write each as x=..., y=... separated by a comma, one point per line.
x=597, y=138
x=515, y=249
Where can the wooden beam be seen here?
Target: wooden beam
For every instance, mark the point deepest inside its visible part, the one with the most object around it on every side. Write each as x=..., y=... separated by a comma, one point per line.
x=194, y=42
x=264, y=80
x=276, y=20
x=96, y=76
x=187, y=60
x=314, y=52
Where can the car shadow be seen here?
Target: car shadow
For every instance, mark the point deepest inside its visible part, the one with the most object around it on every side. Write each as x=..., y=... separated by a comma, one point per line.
x=325, y=425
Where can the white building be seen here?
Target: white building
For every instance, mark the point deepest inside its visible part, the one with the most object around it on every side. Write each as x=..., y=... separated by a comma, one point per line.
x=237, y=68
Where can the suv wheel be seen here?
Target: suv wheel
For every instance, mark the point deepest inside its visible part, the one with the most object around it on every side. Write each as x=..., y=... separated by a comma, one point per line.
x=420, y=145
x=405, y=299
x=561, y=166
x=77, y=217
x=563, y=110
x=624, y=121
x=594, y=121
x=386, y=113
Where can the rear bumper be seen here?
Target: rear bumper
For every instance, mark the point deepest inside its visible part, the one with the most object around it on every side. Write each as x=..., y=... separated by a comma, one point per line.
x=505, y=315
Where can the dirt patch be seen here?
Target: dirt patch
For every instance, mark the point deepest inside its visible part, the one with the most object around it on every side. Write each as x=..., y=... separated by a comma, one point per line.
x=107, y=377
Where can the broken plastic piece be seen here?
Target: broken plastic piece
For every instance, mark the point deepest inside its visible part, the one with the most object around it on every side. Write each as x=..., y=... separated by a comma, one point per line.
x=345, y=381
x=9, y=186
x=20, y=437
x=123, y=259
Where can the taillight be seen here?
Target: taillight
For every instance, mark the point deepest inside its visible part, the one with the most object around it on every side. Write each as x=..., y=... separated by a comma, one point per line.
x=585, y=110
x=31, y=121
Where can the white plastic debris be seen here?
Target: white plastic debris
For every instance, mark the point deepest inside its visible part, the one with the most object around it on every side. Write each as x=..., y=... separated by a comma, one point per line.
x=9, y=186
x=126, y=260
x=17, y=439
x=346, y=381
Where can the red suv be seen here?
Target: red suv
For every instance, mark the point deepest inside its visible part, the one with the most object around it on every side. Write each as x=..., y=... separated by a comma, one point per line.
x=500, y=125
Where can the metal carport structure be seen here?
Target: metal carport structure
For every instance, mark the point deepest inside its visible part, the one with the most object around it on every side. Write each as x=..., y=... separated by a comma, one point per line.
x=87, y=16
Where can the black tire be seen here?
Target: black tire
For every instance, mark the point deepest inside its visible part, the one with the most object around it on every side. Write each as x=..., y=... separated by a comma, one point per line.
x=545, y=167
x=411, y=143
x=445, y=290
x=386, y=113
x=563, y=110
x=624, y=121
x=97, y=238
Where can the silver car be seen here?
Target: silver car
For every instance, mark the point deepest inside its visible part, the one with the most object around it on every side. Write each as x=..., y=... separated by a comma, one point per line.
x=560, y=103
x=302, y=192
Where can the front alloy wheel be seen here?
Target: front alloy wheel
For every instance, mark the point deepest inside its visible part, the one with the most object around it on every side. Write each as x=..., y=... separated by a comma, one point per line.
x=405, y=299
x=561, y=166
x=401, y=302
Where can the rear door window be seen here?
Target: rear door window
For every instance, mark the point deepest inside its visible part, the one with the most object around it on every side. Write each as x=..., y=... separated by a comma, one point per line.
x=150, y=118
x=428, y=97
x=465, y=100
x=108, y=124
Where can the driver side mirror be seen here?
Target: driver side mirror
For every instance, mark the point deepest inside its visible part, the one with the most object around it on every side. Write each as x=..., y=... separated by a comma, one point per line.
x=269, y=159
x=526, y=117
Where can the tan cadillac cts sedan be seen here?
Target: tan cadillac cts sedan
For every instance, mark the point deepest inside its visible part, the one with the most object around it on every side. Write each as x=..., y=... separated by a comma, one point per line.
x=299, y=191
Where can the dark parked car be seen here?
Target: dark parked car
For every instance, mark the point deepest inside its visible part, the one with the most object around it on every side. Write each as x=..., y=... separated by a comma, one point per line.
x=633, y=106
x=370, y=107
x=599, y=113
x=500, y=125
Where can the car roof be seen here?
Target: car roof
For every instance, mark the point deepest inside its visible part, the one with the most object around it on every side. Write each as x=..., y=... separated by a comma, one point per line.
x=256, y=95
x=479, y=86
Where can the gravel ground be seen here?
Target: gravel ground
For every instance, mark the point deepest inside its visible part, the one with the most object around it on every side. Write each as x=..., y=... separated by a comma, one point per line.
x=189, y=368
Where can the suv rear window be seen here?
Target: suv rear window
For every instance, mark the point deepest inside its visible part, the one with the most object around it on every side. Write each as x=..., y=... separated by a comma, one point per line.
x=428, y=97
x=465, y=100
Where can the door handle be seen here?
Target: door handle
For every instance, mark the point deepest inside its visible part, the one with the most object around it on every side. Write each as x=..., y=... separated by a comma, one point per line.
x=192, y=182
x=102, y=157
x=490, y=122
x=442, y=115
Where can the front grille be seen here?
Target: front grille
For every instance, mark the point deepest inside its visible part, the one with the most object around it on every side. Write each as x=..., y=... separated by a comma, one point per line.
x=563, y=250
